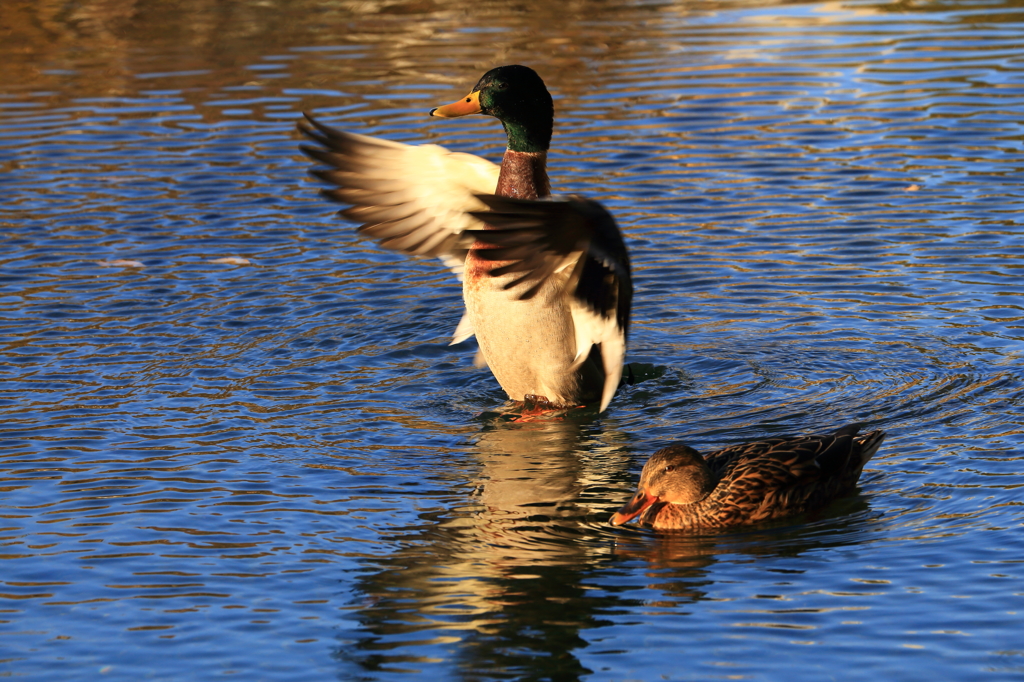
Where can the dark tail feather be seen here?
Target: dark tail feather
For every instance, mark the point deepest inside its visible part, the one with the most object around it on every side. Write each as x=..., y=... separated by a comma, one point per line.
x=850, y=429
x=836, y=455
x=869, y=444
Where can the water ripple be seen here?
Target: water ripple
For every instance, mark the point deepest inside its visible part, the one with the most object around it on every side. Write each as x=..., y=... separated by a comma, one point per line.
x=230, y=426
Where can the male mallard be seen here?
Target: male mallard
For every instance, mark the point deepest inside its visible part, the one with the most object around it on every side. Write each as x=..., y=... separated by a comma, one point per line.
x=745, y=484
x=547, y=284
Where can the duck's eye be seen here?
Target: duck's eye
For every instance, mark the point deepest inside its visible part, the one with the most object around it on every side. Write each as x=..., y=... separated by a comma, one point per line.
x=669, y=468
x=503, y=86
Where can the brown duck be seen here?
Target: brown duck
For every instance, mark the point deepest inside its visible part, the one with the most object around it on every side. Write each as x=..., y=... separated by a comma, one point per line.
x=746, y=484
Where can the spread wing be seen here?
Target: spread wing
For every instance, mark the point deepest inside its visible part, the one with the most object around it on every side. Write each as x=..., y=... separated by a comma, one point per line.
x=414, y=199
x=543, y=237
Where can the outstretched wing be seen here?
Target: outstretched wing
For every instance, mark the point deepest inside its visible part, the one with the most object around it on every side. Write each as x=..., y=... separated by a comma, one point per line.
x=540, y=238
x=414, y=199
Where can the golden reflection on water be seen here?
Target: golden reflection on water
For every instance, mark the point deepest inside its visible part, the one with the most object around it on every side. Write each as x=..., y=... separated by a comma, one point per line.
x=511, y=557
x=122, y=48
x=48, y=43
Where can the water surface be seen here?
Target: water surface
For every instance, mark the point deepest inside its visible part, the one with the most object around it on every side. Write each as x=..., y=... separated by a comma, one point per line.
x=236, y=442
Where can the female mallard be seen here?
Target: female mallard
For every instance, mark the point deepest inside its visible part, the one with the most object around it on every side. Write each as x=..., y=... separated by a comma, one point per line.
x=745, y=484
x=546, y=284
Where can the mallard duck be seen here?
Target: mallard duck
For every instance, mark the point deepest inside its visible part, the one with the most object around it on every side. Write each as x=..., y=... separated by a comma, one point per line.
x=745, y=484
x=547, y=284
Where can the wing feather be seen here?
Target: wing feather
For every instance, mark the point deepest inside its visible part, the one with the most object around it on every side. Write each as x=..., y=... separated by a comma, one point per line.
x=415, y=199
x=774, y=472
x=541, y=238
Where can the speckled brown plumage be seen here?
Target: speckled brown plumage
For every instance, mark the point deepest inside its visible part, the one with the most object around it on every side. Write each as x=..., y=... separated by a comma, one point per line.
x=747, y=484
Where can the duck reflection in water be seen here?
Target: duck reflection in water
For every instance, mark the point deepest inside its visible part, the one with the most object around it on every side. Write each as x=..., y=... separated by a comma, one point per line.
x=502, y=573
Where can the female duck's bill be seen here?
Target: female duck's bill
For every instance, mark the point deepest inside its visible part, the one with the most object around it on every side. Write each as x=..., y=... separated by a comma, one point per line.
x=636, y=506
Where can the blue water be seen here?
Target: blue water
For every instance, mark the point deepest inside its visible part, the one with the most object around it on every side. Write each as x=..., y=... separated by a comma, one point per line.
x=235, y=440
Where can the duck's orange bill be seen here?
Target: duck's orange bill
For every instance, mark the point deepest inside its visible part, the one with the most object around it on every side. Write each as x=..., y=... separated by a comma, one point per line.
x=470, y=104
x=633, y=508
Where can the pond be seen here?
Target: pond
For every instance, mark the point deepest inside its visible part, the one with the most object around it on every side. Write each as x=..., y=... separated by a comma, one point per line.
x=235, y=440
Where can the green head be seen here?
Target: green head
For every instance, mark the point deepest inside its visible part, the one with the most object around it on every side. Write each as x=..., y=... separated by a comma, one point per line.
x=516, y=96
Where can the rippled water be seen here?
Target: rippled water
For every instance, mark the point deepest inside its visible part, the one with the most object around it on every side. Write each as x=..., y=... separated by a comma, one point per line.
x=235, y=440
